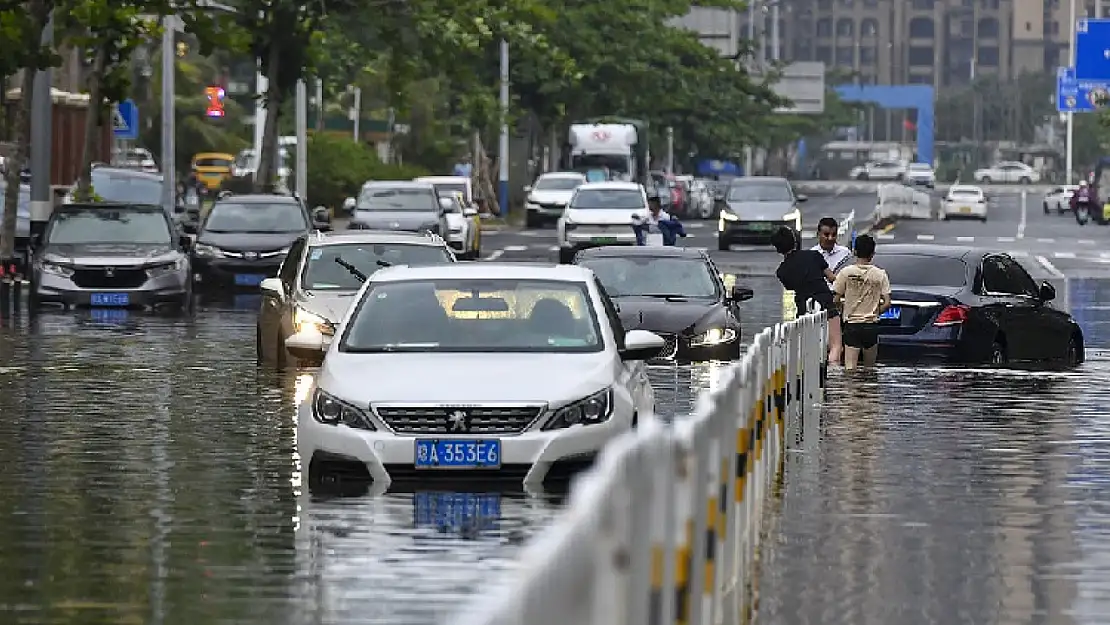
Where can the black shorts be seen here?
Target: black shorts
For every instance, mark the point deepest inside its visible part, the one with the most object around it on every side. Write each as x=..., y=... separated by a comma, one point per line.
x=826, y=304
x=861, y=335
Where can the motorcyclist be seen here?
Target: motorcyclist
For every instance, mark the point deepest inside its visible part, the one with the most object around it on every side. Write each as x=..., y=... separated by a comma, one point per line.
x=1081, y=202
x=657, y=221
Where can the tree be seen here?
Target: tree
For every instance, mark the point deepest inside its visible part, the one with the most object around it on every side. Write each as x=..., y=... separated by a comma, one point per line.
x=21, y=28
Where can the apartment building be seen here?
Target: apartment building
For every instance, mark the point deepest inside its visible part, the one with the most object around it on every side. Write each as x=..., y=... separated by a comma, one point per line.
x=943, y=43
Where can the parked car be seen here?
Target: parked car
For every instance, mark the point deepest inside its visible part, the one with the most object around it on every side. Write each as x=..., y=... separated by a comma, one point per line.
x=560, y=377
x=879, y=170
x=401, y=206
x=463, y=225
x=110, y=255
x=244, y=238
x=548, y=197
x=677, y=293
x=971, y=305
x=599, y=213
x=320, y=275
x=921, y=174
x=1007, y=171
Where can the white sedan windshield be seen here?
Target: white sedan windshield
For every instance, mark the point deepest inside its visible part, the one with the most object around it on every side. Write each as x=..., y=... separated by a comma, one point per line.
x=470, y=315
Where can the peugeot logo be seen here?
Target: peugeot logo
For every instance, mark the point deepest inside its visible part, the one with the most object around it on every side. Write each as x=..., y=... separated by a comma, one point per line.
x=110, y=271
x=250, y=255
x=457, y=421
x=395, y=225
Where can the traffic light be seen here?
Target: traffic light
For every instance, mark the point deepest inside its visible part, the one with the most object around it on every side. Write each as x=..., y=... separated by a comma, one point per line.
x=215, y=101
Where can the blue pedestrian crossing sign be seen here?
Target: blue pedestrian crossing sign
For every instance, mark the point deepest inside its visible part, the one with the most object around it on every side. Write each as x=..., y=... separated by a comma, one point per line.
x=125, y=120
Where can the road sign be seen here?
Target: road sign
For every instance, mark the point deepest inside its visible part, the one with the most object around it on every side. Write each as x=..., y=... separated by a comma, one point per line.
x=1080, y=96
x=1092, y=49
x=125, y=120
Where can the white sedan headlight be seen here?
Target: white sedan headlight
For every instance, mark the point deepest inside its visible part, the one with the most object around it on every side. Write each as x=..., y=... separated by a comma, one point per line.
x=305, y=320
x=331, y=411
x=207, y=251
x=596, y=408
x=56, y=269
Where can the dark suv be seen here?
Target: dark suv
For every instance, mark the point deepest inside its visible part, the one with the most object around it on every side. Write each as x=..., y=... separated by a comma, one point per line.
x=243, y=238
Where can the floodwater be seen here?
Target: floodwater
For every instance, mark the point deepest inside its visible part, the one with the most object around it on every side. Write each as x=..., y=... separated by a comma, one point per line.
x=151, y=477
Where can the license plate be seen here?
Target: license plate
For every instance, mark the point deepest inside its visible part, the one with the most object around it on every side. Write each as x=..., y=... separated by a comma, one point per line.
x=109, y=315
x=249, y=279
x=894, y=312
x=435, y=453
x=603, y=240
x=456, y=510
x=759, y=227
x=965, y=209
x=109, y=299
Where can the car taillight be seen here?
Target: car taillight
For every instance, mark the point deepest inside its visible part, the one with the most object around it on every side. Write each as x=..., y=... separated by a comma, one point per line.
x=951, y=315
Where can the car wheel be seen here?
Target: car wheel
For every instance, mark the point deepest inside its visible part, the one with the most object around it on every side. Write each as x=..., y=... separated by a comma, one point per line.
x=1026, y=180
x=998, y=354
x=566, y=256
x=862, y=176
x=279, y=353
x=985, y=180
x=723, y=245
x=1045, y=208
x=532, y=220
x=983, y=219
x=1074, y=356
x=259, y=356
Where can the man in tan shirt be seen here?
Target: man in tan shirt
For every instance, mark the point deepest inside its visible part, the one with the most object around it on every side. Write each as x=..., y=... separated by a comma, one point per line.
x=863, y=292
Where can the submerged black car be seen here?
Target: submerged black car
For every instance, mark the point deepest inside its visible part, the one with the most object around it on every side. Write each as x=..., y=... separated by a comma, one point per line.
x=676, y=293
x=243, y=238
x=970, y=305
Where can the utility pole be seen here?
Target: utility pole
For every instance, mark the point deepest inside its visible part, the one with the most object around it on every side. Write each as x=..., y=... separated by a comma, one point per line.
x=1070, y=138
x=301, y=177
x=169, y=146
x=42, y=141
x=751, y=39
x=503, y=157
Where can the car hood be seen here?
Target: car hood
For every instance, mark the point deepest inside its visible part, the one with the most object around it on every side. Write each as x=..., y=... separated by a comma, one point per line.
x=659, y=315
x=249, y=241
x=604, y=216
x=118, y=254
x=396, y=220
x=550, y=197
x=760, y=211
x=466, y=378
x=331, y=305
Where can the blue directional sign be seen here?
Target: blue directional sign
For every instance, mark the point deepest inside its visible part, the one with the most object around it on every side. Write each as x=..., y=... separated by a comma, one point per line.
x=1092, y=49
x=1079, y=96
x=125, y=120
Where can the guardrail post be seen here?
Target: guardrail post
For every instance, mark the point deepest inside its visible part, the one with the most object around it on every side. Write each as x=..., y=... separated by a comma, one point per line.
x=728, y=428
x=683, y=531
x=642, y=541
x=611, y=529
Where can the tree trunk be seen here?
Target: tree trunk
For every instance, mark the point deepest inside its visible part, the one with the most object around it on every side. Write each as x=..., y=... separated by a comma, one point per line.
x=15, y=165
x=93, y=118
x=265, y=178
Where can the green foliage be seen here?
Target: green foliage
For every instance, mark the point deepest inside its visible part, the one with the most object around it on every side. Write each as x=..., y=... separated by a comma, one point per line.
x=337, y=168
x=21, y=26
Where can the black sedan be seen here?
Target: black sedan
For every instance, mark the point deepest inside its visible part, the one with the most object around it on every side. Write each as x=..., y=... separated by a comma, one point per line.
x=970, y=305
x=675, y=292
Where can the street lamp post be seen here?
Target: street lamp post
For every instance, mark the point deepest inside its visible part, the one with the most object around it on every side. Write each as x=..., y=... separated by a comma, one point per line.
x=1069, y=138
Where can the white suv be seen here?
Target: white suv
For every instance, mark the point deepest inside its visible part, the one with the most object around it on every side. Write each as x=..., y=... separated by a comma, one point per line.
x=515, y=370
x=599, y=213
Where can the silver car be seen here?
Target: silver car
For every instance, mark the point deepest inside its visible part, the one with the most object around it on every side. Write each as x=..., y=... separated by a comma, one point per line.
x=112, y=256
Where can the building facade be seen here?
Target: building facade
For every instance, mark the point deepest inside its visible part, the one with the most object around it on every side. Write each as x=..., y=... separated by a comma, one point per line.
x=944, y=43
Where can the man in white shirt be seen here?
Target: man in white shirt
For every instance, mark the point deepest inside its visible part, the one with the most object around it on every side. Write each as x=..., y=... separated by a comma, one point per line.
x=835, y=255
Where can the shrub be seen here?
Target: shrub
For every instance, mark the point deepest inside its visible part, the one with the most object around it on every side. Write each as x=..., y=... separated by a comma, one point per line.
x=338, y=166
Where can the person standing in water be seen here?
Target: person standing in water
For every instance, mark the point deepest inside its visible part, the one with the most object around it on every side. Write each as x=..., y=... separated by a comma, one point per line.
x=864, y=292
x=806, y=273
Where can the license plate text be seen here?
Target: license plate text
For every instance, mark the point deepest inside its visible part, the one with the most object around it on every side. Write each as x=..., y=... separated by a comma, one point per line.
x=434, y=453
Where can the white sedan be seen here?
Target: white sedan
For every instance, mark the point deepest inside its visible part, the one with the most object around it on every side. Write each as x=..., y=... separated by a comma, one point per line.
x=965, y=201
x=554, y=376
x=1008, y=171
x=1059, y=199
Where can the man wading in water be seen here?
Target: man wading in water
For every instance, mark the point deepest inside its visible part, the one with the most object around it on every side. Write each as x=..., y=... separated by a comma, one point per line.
x=863, y=291
x=807, y=274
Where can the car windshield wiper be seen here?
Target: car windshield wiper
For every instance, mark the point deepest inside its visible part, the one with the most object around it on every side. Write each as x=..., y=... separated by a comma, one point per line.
x=354, y=271
x=670, y=297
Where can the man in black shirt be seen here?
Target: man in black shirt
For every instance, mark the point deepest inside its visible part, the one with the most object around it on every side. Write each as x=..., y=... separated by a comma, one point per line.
x=806, y=273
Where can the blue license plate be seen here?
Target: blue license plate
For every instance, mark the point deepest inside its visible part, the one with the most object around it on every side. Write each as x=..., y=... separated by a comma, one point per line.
x=109, y=299
x=456, y=510
x=435, y=453
x=894, y=312
x=249, y=279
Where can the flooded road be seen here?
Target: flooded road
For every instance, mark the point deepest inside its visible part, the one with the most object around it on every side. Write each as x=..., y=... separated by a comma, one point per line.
x=150, y=476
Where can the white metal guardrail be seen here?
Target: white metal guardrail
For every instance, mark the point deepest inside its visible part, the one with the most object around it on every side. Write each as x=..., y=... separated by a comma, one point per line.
x=664, y=529
x=898, y=201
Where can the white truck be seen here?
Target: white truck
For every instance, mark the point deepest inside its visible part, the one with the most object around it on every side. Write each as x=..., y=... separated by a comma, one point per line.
x=617, y=146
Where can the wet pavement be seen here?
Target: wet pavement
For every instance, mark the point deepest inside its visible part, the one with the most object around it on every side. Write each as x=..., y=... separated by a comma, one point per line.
x=150, y=476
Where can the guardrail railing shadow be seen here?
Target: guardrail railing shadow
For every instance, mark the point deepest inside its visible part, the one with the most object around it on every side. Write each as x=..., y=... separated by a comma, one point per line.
x=666, y=527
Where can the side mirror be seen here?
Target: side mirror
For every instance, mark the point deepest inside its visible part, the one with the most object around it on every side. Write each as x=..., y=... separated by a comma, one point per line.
x=527, y=188
x=641, y=345
x=469, y=212
x=1047, y=292
x=741, y=294
x=307, y=345
x=801, y=197
x=185, y=242
x=445, y=205
x=272, y=287
x=349, y=204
